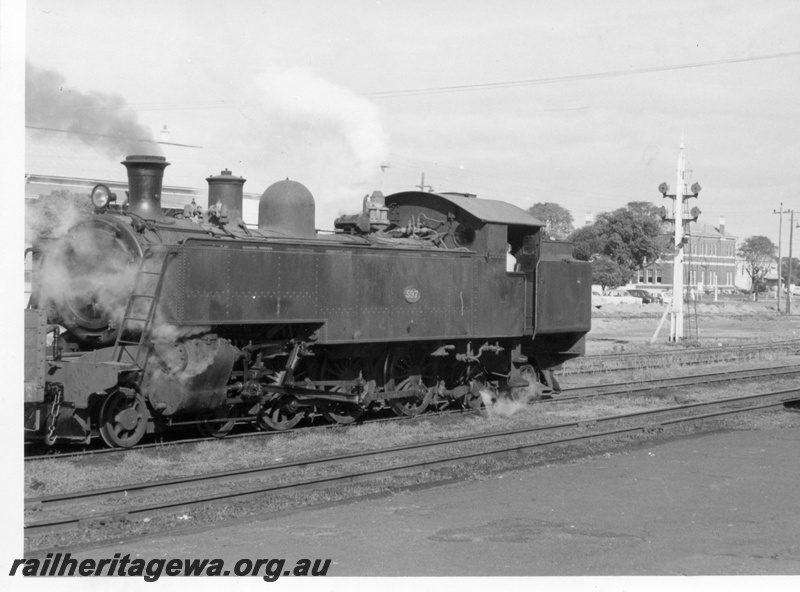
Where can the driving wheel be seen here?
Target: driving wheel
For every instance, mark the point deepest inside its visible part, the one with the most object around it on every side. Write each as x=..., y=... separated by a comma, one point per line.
x=342, y=369
x=413, y=370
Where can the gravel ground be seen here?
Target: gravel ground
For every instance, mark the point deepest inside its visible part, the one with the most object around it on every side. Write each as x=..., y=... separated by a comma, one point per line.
x=720, y=503
x=628, y=327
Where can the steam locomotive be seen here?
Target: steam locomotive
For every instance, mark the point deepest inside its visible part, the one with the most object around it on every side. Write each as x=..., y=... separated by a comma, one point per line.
x=161, y=317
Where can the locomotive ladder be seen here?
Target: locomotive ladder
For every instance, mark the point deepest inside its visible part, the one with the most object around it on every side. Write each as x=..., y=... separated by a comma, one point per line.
x=141, y=308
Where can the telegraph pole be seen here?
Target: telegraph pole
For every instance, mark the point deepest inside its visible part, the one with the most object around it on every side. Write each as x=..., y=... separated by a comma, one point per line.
x=780, y=242
x=676, y=318
x=422, y=185
x=789, y=278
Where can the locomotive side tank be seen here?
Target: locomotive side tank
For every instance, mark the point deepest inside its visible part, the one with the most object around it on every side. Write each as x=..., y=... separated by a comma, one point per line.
x=195, y=317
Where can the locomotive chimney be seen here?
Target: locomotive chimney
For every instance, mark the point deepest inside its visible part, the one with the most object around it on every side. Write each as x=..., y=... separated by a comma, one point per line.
x=145, y=174
x=227, y=189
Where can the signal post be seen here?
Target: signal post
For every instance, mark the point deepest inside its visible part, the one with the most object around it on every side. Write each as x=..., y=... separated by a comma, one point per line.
x=681, y=239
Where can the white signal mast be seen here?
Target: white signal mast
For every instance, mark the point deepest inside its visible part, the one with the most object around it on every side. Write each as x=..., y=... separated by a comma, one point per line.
x=681, y=239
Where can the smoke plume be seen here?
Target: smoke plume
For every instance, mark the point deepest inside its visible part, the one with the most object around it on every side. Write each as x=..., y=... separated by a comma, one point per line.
x=97, y=119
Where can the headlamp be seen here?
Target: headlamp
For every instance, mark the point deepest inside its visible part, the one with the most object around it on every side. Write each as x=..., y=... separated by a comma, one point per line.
x=102, y=196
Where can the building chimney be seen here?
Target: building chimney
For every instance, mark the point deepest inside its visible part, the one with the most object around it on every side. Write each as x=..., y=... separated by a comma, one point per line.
x=722, y=226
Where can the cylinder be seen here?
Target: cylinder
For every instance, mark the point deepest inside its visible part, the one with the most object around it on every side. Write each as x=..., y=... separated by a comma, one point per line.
x=145, y=174
x=228, y=190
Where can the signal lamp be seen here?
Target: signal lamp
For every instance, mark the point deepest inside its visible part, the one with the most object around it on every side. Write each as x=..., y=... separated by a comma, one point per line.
x=696, y=188
x=695, y=213
x=102, y=196
x=663, y=188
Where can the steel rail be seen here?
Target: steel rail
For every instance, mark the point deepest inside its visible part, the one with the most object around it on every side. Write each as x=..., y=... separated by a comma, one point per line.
x=157, y=509
x=583, y=364
x=256, y=434
x=728, y=348
x=627, y=388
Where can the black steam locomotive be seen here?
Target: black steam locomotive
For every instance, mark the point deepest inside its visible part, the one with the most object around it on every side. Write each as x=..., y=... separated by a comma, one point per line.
x=176, y=317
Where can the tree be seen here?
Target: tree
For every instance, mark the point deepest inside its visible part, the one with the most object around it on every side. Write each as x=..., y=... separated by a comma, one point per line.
x=653, y=211
x=608, y=273
x=586, y=243
x=557, y=218
x=795, y=270
x=758, y=253
x=646, y=208
x=628, y=236
x=51, y=215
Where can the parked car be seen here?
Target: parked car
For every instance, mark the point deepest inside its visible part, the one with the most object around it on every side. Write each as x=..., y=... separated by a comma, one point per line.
x=619, y=296
x=646, y=296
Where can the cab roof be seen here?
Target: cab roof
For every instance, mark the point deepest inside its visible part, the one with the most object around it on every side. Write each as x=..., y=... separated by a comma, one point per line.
x=485, y=210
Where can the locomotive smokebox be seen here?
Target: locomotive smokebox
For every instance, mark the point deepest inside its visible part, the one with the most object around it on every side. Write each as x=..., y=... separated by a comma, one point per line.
x=228, y=190
x=145, y=174
x=287, y=207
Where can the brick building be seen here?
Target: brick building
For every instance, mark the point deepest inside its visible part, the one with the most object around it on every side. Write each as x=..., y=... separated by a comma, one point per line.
x=709, y=261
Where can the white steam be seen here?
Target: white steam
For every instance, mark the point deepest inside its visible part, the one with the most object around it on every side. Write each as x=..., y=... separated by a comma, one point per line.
x=324, y=136
x=509, y=404
x=83, y=274
x=164, y=331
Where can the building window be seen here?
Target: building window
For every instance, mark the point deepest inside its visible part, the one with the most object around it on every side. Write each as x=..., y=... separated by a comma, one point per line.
x=658, y=275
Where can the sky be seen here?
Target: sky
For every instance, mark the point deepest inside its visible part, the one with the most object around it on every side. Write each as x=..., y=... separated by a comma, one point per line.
x=580, y=103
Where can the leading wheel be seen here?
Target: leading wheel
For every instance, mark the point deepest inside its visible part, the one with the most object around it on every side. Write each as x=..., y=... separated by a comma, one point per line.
x=123, y=419
x=411, y=370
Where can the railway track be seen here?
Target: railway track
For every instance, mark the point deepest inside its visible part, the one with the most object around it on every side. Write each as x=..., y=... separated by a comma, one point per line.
x=641, y=386
x=678, y=357
x=567, y=394
x=331, y=471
